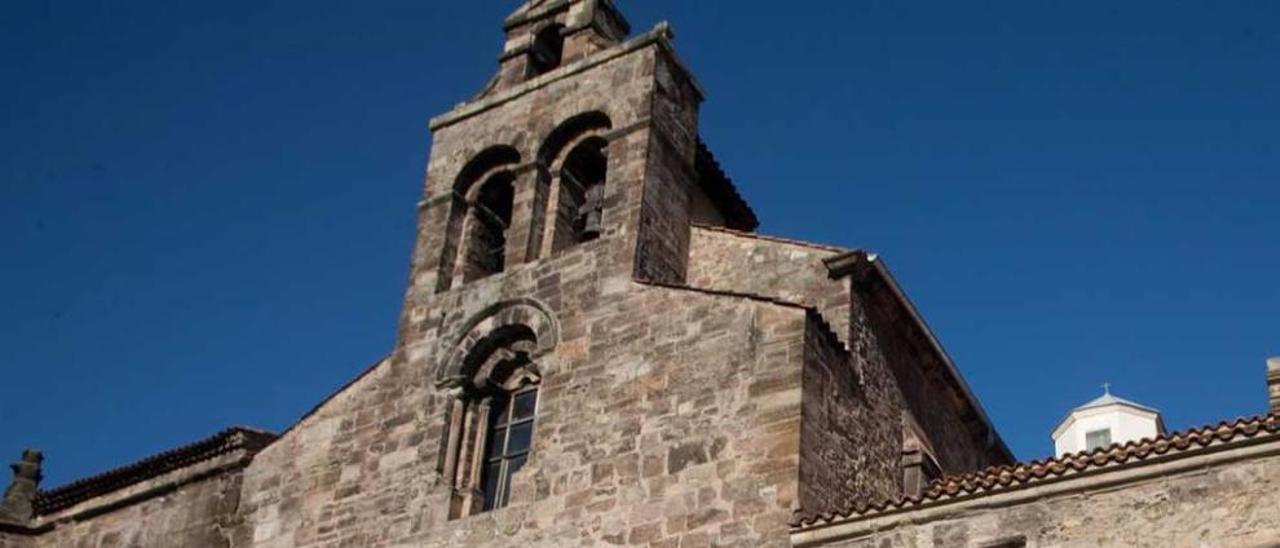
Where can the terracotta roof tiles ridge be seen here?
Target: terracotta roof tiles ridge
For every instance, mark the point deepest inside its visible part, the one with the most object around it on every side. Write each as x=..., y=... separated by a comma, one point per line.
x=229, y=440
x=1001, y=478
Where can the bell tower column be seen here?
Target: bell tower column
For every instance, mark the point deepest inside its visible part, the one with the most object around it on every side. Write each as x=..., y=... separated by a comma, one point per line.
x=670, y=178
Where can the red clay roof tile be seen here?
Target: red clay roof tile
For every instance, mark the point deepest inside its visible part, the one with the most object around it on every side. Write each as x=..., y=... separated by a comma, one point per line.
x=1005, y=478
x=227, y=441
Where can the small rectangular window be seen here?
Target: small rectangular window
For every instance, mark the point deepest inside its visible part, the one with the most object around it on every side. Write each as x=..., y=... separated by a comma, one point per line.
x=1097, y=439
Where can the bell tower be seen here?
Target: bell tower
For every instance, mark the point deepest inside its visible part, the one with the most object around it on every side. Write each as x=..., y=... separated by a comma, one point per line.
x=580, y=158
x=544, y=34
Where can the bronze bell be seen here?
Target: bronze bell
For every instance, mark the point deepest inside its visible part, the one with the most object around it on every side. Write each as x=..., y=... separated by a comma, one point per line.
x=591, y=224
x=591, y=214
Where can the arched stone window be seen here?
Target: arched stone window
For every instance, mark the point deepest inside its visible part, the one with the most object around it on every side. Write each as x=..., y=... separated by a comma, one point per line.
x=489, y=223
x=492, y=375
x=577, y=156
x=480, y=218
x=580, y=216
x=547, y=51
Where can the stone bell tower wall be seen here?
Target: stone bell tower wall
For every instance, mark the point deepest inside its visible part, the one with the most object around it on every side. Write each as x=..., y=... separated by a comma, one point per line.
x=670, y=415
x=638, y=98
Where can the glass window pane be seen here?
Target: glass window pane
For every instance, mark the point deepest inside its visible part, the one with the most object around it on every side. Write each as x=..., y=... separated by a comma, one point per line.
x=1097, y=439
x=510, y=430
x=500, y=409
x=525, y=405
x=491, y=474
x=513, y=466
x=521, y=435
x=496, y=438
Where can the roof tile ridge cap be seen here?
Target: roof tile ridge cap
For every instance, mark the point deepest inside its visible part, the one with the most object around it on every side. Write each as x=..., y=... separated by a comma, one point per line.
x=857, y=509
x=1271, y=423
x=778, y=239
x=137, y=463
x=1223, y=430
x=251, y=430
x=1253, y=421
x=972, y=483
x=988, y=471
x=214, y=445
x=1029, y=467
x=1250, y=427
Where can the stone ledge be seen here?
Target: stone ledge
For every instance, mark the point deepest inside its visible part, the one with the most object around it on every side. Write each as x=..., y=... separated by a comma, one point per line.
x=661, y=35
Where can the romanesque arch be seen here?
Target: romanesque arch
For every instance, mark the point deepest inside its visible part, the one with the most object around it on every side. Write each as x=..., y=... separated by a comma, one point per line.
x=480, y=216
x=575, y=157
x=522, y=325
x=492, y=373
x=548, y=49
x=571, y=130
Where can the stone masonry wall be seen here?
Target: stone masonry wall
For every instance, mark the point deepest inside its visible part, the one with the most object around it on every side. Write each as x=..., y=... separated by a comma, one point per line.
x=667, y=418
x=620, y=89
x=790, y=271
x=196, y=515
x=920, y=375
x=851, y=438
x=666, y=209
x=14, y=540
x=890, y=351
x=1221, y=505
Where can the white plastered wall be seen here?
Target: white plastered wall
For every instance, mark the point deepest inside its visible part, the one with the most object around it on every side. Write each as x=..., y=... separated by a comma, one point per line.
x=1125, y=423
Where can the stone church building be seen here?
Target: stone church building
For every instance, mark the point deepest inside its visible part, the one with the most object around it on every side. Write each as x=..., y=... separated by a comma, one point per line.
x=596, y=349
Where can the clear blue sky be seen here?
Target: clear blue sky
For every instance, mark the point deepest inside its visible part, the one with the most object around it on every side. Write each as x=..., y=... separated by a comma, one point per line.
x=206, y=207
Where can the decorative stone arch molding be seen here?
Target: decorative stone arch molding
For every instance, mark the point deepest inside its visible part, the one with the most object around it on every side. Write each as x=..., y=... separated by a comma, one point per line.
x=492, y=365
x=518, y=326
x=571, y=131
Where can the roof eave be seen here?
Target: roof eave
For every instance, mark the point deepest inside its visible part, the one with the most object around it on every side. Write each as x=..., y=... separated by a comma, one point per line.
x=843, y=264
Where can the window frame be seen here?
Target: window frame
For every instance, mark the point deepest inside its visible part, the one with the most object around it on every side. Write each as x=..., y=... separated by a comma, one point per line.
x=1089, y=445
x=503, y=419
